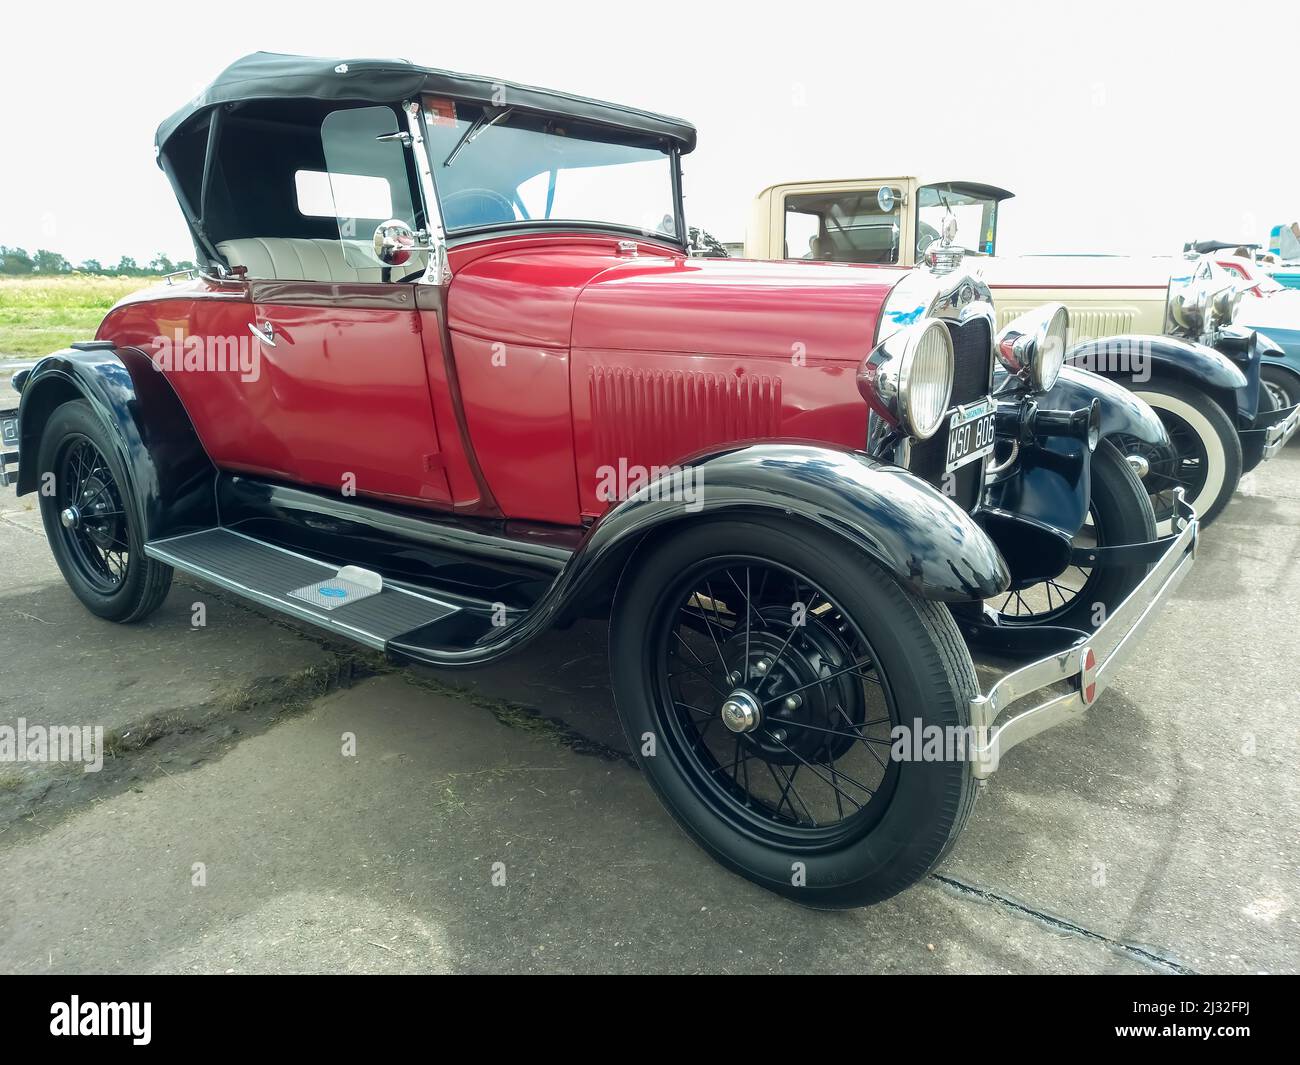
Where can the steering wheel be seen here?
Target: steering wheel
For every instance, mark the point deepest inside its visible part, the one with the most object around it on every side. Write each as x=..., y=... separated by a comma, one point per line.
x=476, y=207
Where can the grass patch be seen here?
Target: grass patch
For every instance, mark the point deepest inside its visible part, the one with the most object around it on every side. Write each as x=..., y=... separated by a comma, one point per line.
x=39, y=315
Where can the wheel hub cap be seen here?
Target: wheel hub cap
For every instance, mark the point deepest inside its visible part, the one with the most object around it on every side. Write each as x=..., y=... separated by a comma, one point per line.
x=1140, y=465
x=741, y=712
x=70, y=518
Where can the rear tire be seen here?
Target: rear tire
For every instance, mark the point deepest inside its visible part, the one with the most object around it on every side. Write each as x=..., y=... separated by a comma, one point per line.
x=1208, y=451
x=923, y=672
x=101, y=553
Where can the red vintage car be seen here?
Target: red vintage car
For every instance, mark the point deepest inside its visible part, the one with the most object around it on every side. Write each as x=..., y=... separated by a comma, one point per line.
x=448, y=377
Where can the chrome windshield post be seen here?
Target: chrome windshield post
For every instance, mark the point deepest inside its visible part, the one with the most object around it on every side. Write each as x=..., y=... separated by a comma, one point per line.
x=437, y=271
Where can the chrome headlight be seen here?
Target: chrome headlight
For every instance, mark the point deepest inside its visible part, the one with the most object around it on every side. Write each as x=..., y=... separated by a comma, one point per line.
x=1033, y=346
x=1205, y=301
x=907, y=380
x=1224, y=304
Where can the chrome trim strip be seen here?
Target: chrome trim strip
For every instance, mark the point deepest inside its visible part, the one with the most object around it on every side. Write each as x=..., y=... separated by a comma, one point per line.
x=436, y=270
x=1111, y=644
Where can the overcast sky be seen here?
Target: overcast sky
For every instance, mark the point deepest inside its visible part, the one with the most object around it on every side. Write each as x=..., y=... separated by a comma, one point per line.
x=1126, y=127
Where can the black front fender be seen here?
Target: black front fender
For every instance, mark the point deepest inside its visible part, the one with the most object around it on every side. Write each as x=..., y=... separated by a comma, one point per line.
x=1133, y=360
x=169, y=475
x=927, y=542
x=1122, y=413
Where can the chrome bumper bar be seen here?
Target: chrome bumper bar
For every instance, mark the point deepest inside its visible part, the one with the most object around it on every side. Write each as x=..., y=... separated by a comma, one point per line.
x=1088, y=667
x=8, y=447
x=1276, y=436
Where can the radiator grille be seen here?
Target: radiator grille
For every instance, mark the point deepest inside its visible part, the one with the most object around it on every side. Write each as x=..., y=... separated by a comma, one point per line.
x=972, y=378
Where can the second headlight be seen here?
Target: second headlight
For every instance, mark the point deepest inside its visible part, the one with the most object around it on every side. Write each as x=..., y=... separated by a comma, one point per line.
x=1032, y=346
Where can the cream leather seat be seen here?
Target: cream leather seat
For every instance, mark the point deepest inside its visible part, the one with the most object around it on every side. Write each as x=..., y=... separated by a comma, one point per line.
x=309, y=259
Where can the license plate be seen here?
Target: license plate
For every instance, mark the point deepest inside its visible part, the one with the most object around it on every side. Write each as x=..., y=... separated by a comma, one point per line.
x=970, y=434
x=9, y=430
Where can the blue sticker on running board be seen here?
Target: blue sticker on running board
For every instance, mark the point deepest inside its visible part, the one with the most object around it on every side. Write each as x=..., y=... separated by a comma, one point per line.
x=335, y=593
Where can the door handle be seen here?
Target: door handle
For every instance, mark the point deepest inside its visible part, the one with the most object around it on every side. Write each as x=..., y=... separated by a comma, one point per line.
x=266, y=333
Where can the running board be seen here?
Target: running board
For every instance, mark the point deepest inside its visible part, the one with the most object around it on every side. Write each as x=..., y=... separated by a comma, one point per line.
x=302, y=587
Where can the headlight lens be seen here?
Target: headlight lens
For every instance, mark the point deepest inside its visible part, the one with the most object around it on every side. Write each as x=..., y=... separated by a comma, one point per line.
x=926, y=383
x=1033, y=345
x=907, y=380
x=1051, y=355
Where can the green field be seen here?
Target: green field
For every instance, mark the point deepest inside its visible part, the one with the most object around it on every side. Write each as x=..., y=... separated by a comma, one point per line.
x=42, y=314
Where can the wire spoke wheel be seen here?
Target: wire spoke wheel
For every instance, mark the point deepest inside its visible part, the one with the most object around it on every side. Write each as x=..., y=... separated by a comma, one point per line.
x=1047, y=601
x=92, y=515
x=1184, y=465
x=1081, y=597
x=774, y=703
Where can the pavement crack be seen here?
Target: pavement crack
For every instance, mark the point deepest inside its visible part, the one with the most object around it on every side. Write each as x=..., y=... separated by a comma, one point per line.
x=1157, y=959
x=520, y=717
x=6, y=520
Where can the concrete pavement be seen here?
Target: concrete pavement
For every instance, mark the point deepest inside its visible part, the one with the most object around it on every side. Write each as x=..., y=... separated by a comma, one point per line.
x=1158, y=835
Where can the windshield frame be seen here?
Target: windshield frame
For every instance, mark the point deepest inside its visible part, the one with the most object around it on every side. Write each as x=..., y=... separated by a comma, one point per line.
x=677, y=240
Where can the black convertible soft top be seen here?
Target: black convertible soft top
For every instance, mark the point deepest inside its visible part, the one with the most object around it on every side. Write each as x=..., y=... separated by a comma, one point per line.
x=270, y=76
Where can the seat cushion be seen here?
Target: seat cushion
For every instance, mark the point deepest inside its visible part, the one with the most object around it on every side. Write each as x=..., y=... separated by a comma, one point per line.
x=310, y=259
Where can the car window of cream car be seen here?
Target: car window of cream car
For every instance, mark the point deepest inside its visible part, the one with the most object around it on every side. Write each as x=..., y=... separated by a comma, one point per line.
x=841, y=227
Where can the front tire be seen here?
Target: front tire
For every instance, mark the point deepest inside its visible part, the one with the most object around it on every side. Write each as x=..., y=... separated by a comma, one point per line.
x=1206, y=461
x=91, y=519
x=805, y=797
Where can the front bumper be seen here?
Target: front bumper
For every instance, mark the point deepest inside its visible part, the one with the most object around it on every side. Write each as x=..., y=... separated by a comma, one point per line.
x=1281, y=431
x=8, y=448
x=1087, y=668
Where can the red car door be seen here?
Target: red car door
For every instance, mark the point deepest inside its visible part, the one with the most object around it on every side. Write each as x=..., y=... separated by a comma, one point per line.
x=343, y=398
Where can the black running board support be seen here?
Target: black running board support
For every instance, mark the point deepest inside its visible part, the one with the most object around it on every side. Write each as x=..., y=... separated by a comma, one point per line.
x=268, y=575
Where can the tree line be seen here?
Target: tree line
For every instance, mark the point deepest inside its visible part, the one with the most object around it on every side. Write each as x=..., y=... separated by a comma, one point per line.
x=18, y=262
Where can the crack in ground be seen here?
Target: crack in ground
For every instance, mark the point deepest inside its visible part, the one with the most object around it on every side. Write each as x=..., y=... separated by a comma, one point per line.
x=6, y=520
x=1146, y=955
x=187, y=737
x=511, y=714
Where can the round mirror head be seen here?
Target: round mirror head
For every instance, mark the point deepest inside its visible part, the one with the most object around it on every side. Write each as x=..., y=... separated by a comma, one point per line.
x=394, y=243
x=885, y=200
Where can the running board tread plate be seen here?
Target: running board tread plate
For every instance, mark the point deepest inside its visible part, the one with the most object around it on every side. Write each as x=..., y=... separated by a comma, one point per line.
x=268, y=574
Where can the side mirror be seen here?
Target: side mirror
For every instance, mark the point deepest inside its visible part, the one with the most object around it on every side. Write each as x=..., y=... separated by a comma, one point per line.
x=394, y=243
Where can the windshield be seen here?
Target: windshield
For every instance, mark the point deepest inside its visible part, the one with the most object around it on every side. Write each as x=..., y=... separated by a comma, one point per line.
x=977, y=218
x=496, y=166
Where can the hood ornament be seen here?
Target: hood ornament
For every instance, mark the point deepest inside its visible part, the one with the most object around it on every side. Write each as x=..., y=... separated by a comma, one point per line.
x=942, y=256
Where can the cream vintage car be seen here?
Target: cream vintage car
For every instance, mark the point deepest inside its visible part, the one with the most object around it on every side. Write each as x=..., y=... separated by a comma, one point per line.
x=1162, y=327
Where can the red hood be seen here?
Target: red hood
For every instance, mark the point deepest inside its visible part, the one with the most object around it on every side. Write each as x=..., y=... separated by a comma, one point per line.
x=733, y=307
x=579, y=292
